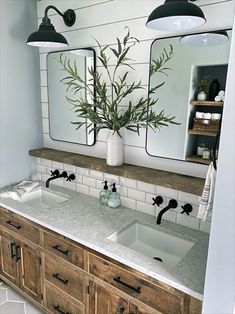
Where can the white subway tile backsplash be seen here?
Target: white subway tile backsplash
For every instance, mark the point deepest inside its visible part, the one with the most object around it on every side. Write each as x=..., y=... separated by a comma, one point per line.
x=171, y=193
x=205, y=226
x=78, y=178
x=69, y=168
x=83, y=171
x=89, y=181
x=170, y=215
x=39, y=161
x=146, y=187
x=81, y=188
x=122, y=190
x=145, y=208
x=187, y=221
x=46, y=162
x=129, y=183
x=58, y=182
x=136, y=195
x=188, y=198
x=41, y=168
x=44, y=177
x=128, y=202
x=94, y=192
x=96, y=174
x=69, y=185
x=111, y=178
x=57, y=165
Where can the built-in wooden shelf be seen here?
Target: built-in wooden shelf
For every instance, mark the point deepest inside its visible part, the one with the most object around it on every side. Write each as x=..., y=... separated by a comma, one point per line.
x=166, y=179
x=206, y=103
x=198, y=159
x=203, y=133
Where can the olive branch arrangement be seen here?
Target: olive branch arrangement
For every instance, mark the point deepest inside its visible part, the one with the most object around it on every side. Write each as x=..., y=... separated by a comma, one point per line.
x=103, y=111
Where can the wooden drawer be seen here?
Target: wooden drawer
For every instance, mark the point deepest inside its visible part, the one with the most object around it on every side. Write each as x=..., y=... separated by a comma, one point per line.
x=70, y=281
x=64, y=249
x=166, y=301
x=19, y=225
x=57, y=303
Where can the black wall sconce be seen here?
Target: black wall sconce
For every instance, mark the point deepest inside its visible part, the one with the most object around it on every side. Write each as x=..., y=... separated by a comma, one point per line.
x=46, y=36
x=176, y=15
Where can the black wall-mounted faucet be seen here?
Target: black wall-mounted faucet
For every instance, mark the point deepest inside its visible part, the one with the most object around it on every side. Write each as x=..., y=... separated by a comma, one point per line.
x=56, y=175
x=172, y=204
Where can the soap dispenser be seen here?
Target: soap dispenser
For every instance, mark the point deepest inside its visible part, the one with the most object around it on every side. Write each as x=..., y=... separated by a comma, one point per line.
x=114, y=198
x=104, y=194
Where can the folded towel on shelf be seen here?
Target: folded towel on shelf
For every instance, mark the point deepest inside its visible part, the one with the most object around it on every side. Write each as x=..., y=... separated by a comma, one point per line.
x=20, y=190
x=206, y=202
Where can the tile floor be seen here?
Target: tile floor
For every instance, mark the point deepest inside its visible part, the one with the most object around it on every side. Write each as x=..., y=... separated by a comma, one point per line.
x=11, y=302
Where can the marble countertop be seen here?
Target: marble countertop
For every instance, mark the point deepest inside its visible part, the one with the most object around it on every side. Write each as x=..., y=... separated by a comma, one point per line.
x=82, y=219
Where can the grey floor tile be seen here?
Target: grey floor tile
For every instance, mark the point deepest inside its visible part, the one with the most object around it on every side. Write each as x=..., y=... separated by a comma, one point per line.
x=31, y=309
x=13, y=295
x=9, y=307
x=3, y=295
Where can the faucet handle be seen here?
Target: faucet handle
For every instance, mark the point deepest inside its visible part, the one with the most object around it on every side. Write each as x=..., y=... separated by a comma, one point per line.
x=187, y=208
x=55, y=173
x=71, y=177
x=158, y=200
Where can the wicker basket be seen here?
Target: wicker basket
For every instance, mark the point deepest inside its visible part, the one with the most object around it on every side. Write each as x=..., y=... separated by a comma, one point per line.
x=207, y=125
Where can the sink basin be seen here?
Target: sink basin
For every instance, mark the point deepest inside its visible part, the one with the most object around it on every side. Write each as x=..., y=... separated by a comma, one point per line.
x=161, y=246
x=43, y=198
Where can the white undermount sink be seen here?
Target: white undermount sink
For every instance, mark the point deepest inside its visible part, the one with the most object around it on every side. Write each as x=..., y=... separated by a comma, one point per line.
x=161, y=246
x=43, y=198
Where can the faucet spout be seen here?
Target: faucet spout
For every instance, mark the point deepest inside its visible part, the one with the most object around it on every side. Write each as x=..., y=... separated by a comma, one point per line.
x=62, y=175
x=172, y=204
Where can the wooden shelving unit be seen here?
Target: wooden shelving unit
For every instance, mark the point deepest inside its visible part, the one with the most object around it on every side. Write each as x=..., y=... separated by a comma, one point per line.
x=198, y=159
x=202, y=133
x=206, y=103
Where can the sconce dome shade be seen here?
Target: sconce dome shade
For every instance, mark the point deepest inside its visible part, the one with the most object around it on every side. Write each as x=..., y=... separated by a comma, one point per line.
x=205, y=39
x=176, y=15
x=46, y=36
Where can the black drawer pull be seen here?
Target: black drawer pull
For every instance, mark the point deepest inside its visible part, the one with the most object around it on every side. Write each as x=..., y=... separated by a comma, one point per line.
x=57, y=248
x=57, y=308
x=118, y=280
x=13, y=248
x=57, y=276
x=9, y=222
x=18, y=257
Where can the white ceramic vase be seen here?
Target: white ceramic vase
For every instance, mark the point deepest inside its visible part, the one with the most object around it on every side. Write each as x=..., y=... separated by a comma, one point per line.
x=201, y=96
x=115, y=149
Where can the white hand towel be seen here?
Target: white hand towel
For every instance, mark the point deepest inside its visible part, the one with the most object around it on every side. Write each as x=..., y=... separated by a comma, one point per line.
x=218, y=98
x=20, y=190
x=206, y=202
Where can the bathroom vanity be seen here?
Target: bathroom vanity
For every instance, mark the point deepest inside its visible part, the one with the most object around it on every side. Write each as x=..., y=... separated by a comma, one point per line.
x=64, y=258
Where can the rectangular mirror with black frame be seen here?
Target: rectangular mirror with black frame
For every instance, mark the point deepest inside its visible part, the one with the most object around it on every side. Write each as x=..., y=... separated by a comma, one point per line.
x=61, y=111
x=193, y=92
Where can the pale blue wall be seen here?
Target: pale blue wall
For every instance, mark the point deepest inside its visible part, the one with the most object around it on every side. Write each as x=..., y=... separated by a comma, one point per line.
x=20, y=112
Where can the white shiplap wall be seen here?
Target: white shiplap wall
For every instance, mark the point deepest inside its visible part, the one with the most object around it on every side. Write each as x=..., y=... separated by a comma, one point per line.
x=105, y=20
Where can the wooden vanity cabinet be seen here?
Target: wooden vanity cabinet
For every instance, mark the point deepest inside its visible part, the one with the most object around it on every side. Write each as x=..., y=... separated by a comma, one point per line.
x=104, y=301
x=62, y=276
x=20, y=263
